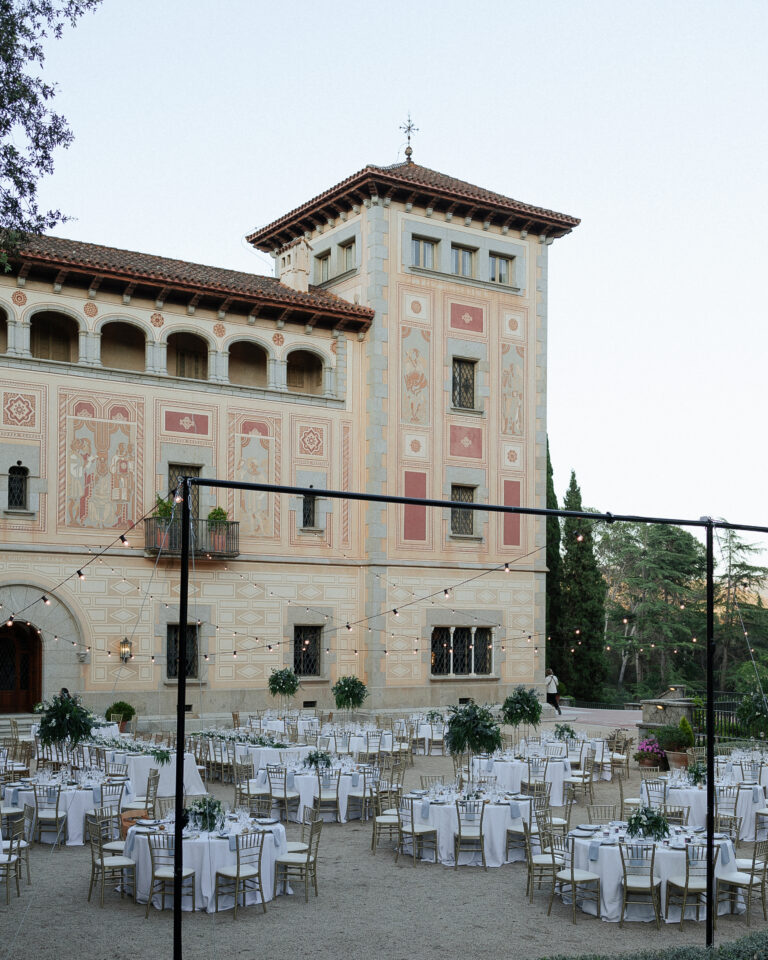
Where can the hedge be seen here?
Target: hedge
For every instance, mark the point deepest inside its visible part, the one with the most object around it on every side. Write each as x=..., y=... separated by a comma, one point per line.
x=752, y=947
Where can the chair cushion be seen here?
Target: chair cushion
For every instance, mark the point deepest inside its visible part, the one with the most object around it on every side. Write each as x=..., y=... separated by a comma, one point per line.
x=695, y=884
x=544, y=860
x=116, y=846
x=166, y=873
x=113, y=862
x=642, y=883
x=745, y=864
x=245, y=871
x=386, y=818
x=420, y=828
x=11, y=811
x=296, y=846
x=739, y=879
x=293, y=859
x=579, y=876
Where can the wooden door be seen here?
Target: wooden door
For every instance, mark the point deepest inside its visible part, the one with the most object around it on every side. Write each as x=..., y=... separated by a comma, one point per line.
x=20, y=669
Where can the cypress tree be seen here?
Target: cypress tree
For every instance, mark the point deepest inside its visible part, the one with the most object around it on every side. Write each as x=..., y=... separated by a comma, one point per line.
x=583, y=605
x=554, y=567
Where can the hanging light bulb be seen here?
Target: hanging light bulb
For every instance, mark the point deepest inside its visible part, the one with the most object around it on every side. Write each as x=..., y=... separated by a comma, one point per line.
x=123, y=539
x=46, y=601
x=395, y=612
x=348, y=626
x=446, y=593
x=580, y=538
x=81, y=575
x=506, y=568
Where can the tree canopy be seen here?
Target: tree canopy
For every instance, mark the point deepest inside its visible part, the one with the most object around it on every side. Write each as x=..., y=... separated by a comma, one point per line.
x=30, y=130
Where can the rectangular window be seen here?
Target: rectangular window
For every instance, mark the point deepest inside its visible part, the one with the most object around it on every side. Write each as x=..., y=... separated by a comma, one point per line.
x=323, y=267
x=306, y=650
x=308, y=511
x=500, y=269
x=175, y=472
x=464, y=384
x=462, y=261
x=461, y=651
x=172, y=651
x=17, y=488
x=348, y=256
x=423, y=253
x=462, y=521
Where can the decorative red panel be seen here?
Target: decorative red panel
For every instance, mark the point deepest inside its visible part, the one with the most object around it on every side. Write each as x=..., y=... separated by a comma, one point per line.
x=415, y=518
x=466, y=442
x=177, y=421
x=512, y=520
x=466, y=318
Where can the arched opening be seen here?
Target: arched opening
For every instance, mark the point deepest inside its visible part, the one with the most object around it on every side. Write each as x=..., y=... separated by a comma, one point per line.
x=20, y=668
x=187, y=356
x=304, y=372
x=122, y=347
x=3, y=332
x=247, y=364
x=53, y=336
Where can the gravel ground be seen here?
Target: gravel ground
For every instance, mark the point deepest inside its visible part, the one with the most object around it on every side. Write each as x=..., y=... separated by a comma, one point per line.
x=367, y=906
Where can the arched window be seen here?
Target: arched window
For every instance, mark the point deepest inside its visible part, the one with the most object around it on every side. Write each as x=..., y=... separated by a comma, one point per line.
x=18, y=482
x=53, y=336
x=247, y=364
x=122, y=347
x=3, y=332
x=187, y=356
x=304, y=372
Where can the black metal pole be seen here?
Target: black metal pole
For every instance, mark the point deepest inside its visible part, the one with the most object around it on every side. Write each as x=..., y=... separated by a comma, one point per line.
x=181, y=672
x=711, y=905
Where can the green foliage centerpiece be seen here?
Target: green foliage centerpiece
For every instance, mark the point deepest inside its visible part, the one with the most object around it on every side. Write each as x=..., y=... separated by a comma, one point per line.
x=206, y=813
x=317, y=759
x=64, y=718
x=349, y=693
x=162, y=755
x=284, y=684
x=649, y=823
x=522, y=706
x=471, y=728
x=564, y=731
x=697, y=773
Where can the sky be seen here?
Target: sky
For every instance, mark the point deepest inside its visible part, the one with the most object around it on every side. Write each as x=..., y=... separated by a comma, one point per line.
x=195, y=123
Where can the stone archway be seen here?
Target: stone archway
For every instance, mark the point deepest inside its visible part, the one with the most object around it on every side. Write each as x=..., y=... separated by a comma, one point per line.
x=53, y=663
x=20, y=668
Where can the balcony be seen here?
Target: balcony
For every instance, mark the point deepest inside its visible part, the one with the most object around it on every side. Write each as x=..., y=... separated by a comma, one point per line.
x=206, y=540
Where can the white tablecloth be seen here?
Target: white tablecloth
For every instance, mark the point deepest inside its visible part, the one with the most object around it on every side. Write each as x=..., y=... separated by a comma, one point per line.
x=509, y=775
x=139, y=765
x=110, y=730
x=76, y=803
x=358, y=743
x=668, y=863
x=697, y=800
x=497, y=819
x=206, y=855
x=261, y=756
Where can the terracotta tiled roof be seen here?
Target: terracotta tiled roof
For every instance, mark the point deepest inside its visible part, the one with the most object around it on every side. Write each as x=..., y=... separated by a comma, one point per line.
x=412, y=177
x=91, y=257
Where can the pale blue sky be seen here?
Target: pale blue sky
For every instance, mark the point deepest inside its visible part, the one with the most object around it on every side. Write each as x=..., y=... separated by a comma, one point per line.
x=196, y=122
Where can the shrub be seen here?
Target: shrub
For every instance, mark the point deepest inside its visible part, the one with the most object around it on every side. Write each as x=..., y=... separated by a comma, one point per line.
x=672, y=739
x=687, y=730
x=752, y=947
x=120, y=706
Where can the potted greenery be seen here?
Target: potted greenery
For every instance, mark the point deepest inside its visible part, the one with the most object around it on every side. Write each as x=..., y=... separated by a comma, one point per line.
x=522, y=706
x=564, y=731
x=126, y=711
x=650, y=754
x=284, y=684
x=349, y=693
x=471, y=729
x=675, y=740
x=64, y=718
x=317, y=759
x=217, y=529
x=648, y=823
x=697, y=774
x=164, y=514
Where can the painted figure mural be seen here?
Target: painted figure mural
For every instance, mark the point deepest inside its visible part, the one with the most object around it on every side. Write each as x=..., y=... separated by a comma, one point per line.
x=415, y=365
x=253, y=464
x=512, y=383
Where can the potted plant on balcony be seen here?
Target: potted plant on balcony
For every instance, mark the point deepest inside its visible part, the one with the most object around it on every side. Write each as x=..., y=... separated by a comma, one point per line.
x=164, y=514
x=217, y=530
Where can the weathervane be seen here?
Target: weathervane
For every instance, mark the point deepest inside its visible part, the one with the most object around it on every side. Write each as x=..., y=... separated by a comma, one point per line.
x=408, y=128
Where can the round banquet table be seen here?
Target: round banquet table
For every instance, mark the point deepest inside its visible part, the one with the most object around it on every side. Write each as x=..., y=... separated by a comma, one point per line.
x=668, y=863
x=358, y=743
x=76, y=803
x=509, y=775
x=496, y=821
x=139, y=765
x=697, y=800
x=261, y=756
x=306, y=785
x=206, y=854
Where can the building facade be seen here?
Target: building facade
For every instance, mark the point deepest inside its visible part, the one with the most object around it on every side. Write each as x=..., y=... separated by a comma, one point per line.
x=400, y=349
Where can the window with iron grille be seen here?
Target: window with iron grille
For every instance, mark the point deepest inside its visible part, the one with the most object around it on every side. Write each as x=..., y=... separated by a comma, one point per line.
x=464, y=384
x=173, y=635
x=175, y=472
x=308, y=511
x=462, y=521
x=441, y=651
x=461, y=651
x=306, y=650
x=17, y=488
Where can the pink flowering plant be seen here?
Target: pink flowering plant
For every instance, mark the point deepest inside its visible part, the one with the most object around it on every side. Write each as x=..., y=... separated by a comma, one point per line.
x=649, y=749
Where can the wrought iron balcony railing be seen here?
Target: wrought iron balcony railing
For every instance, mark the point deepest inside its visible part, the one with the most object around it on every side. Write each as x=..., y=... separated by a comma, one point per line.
x=220, y=539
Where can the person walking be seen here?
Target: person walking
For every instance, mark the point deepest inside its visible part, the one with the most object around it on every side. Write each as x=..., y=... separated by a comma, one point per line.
x=553, y=696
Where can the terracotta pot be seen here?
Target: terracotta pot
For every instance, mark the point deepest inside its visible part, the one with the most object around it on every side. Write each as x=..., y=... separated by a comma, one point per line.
x=677, y=761
x=648, y=762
